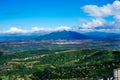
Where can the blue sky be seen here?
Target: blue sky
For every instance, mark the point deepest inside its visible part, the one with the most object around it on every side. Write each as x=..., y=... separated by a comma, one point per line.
x=26, y=14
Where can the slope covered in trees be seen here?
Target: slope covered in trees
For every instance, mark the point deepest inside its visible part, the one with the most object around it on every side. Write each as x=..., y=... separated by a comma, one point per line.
x=61, y=64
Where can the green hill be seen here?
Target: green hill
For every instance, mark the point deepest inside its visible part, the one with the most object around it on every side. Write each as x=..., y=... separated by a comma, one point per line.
x=61, y=64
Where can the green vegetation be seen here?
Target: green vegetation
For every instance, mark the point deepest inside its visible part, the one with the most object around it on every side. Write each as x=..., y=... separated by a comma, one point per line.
x=84, y=64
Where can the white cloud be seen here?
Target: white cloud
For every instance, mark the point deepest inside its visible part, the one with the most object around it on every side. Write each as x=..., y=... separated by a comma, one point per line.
x=60, y=28
x=105, y=10
x=63, y=28
x=100, y=30
x=13, y=30
x=94, y=10
x=99, y=23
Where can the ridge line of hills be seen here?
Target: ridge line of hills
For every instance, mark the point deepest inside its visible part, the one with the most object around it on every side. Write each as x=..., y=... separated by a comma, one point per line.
x=59, y=35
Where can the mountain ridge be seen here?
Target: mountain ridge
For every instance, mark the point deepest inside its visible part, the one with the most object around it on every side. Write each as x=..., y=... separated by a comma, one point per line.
x=64, y=35
x=60, y=35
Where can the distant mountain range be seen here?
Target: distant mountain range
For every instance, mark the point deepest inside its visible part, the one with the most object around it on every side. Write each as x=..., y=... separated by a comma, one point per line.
x=64, y=35
x=59, y=35
x=102, y=34
x=12, y=37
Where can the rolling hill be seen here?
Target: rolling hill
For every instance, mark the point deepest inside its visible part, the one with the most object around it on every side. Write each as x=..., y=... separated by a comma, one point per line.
x=62, y=64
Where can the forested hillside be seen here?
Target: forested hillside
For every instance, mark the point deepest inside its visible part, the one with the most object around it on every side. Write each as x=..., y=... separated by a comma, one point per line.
x=60, y=64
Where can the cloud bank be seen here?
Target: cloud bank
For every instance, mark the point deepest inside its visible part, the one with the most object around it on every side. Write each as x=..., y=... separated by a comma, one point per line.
x=14, y=30
x=105, y=10
x=99, y=14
